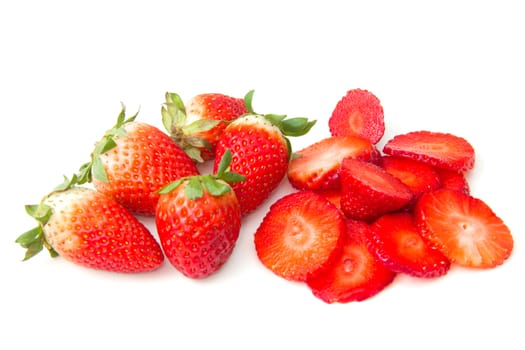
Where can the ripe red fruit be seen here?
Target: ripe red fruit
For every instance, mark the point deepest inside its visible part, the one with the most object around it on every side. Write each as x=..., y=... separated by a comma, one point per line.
x=132, y=161
x=299, y=236
x=359, y=113
x=316, y=167
x=396, y=242
x=463, y=228
x=418, y=176
x=198, y=220
x=261, y=152
x=356, y=274
x=453, y=180
x=368, y=191
x=90, y=229
x=197, y=126
x=438, y=149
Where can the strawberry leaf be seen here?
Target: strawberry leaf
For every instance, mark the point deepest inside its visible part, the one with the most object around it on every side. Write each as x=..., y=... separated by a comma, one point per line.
x=200, y=125
x=232, y=177
x=214, y=187
x=170, y=187
x=297, y=126
x=194, y=189
x=248, y=101
x=224, y=164
x=98, y=169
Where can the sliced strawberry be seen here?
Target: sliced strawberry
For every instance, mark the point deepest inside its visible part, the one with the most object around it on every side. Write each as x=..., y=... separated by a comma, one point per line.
x=463, y=228
x=368, y=191
x=441, y=150
x=316, y=167
x=334, y=196
x=418, y=176
x=300, y=235
x=359, y=113
x=356, y=275
x=453, y=180
x=396, y=242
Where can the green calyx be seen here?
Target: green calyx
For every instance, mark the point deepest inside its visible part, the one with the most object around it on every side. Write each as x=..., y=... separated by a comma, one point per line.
x=174, y=118
x=95, y=168
x=216, y=185
x=34, y=240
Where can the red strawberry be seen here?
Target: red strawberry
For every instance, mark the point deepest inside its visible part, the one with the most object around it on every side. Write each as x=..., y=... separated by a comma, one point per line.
x=316, y=167
x=397, y=243
x=368, y=191
x=418, y=176
x=261, y=153
x=91, y=229
x=132, y=161
x=453, y=180
x=299, y=236
x=463, y=228
x=359, y=113
x=333, y=196
x=198, y=220
x=356, y=274
x=438, y=149
x=197, y=126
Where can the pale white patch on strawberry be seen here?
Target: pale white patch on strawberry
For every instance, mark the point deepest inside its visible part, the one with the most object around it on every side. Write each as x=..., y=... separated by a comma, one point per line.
x=259, y=122
x=194, y=111
x=61, y=224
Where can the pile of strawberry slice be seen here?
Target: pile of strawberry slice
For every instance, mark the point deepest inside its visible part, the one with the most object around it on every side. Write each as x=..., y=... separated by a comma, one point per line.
x=358, y=216
x=361, y=216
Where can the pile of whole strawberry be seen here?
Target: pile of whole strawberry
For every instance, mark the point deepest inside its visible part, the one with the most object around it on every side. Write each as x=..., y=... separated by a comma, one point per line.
x=358, y=216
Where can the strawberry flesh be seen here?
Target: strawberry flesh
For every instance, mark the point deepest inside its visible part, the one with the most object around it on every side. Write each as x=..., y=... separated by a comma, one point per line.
x=438, y=149
x=463, y=228
x=418, y=176
x=359, y=113
x=368, y=191
x=453, y=180
x=316, y=167
x=396, y=242
x=300, y=235
x=356, y=274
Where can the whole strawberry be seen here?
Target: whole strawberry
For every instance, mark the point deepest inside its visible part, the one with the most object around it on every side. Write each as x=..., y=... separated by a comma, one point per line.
x=133, y=161
x=198, y=220
x=261, y=153
x=197, y=126
x=91, y=229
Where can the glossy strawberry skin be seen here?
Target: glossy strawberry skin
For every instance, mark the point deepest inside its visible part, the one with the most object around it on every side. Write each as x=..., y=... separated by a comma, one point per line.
x=198, y=235
x=143, y=161
x=93, y=230
x=214, y=106
x=368, y=191
x=260, y=153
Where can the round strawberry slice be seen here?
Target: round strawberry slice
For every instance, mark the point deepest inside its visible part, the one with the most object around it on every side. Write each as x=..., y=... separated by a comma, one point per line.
x=300, y=235
x=368, y=191
x=396, y=241
x=359, y=113
x=463, y=228
x=356, y=274
x=439, y=149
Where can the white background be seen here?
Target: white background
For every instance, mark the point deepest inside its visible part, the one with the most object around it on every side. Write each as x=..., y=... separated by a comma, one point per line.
x=454, y=66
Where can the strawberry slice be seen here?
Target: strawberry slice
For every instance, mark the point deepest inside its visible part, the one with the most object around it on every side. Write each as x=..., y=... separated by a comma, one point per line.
x=418, y=176
x=359, y=113
x=316, y=167
x=334, y=196
x=396, y=242
x=356, y=275
x=464, y=228
x=453, y=180
x=441, y=150
x=368, y=191
x=301, y=233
